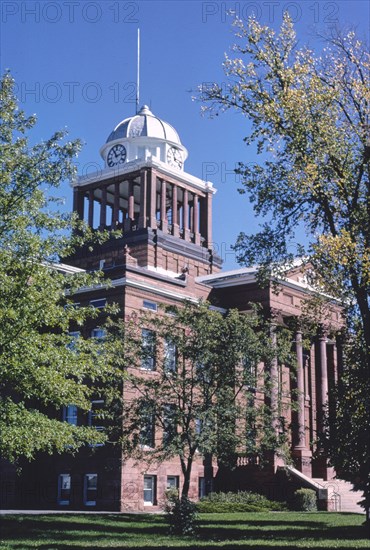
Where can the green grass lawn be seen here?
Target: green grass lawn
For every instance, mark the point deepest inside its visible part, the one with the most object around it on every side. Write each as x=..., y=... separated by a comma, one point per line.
x=261, y=531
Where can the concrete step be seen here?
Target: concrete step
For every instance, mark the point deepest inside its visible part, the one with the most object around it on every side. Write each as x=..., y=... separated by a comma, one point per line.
x=342, y=496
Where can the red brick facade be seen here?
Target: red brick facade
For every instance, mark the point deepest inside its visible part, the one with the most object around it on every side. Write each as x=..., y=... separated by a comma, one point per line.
x=165, y=255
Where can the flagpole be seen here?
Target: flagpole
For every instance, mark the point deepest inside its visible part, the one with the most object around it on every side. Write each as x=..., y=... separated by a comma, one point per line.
x=138, y=72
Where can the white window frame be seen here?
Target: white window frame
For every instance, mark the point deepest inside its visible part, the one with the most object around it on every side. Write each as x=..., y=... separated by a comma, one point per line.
x=153, y=489
x=148, y=304
x=98, y=333
x=86, y=488
x=74, y=305
x=67, y=416
x=174, y=485
x=148, y=363
x=61, y=477
x=169, y=422
x=74, y=335
x=94, y=303
x=170, y=356
x=147, y=426
x=90, y=420
x=91, y=415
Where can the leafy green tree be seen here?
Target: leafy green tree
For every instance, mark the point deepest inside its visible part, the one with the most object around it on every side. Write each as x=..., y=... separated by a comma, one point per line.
x=348, y=426
x=192, y=390
x=309, y=117
x=42, y=368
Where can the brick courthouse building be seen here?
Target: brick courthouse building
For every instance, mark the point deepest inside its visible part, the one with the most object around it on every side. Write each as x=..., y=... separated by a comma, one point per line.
x=165, y=256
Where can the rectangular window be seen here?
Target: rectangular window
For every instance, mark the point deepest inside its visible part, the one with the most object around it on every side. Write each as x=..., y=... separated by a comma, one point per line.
x=90, y=489
x=169, y=423
x=150, y=490
x=172, y=482
x=250, y=373
x=70, y=414
x=94, y=417
x=201, y=487
x=170, y=356
x=148, y=349
x=98, y=333
x=147, y=431
x=150, y=305
x=198, y=426
x=74, y=336
x=99, y=303
x=203, y=373
x=64, y=489
x=72, y=305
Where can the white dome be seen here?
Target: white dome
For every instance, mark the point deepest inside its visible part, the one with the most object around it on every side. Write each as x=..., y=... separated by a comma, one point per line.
x=144, y=124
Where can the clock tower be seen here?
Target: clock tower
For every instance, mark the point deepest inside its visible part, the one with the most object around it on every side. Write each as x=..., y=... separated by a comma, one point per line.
x=164, y=214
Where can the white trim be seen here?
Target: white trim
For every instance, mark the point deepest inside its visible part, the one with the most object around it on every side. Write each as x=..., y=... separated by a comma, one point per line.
x=132, y=166
x=227, y=274
x=177, y=482
x=153, y=490
x=67, y=268
x=124, y=281
x=243, y=276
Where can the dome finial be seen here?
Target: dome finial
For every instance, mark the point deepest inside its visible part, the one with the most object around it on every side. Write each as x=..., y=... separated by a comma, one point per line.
x=145, y=110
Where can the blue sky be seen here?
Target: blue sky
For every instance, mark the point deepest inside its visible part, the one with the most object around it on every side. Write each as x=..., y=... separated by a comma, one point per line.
x=74, y=62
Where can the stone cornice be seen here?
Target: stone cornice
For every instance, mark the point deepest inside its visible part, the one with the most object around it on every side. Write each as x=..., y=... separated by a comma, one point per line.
x=106, y=174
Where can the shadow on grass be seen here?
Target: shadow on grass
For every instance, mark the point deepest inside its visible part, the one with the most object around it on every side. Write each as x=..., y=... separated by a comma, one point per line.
x=211, y=546
x=64, y=533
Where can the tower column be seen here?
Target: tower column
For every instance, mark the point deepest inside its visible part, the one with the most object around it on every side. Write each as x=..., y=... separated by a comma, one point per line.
x=191, y=216
x=196, y=220
x=127, y=225
x=143, y=198
x=131, y=201
x=103, y=208
x=164, y=222
x=175, y=216
x=186, y=215
x=206, y=219
x=78, y=202
x=91, y=208
x=115, y=214
x=152, y=200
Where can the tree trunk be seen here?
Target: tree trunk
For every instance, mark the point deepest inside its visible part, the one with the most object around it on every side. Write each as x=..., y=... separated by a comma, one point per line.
x=362, y=302
x=186, y=468
x=208, y=473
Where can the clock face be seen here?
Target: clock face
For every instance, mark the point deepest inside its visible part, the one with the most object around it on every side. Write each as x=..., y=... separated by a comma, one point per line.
x=117, y=155
x=174, y=157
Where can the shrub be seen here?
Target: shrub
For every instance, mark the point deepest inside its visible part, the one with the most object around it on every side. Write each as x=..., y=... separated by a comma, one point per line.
x=243, y=501
x=305, y=500
x=181, y=514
